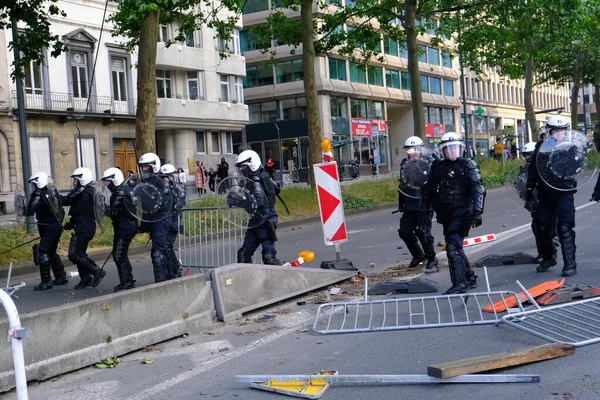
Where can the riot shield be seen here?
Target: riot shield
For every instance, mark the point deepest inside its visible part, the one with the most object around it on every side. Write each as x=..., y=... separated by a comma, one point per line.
x=149, y=198
x=20, y=202
x=414, y=173
x=240, y=205
x=515, y=182
x=567, y=160
x=54, y=201
x=102, y=205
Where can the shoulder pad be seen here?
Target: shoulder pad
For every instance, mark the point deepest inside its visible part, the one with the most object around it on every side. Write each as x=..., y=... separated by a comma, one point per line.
x=471, y=163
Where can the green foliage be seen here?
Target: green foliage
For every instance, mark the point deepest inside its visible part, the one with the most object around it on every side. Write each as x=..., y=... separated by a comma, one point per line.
x=357, y=203
x=494, y=172
x=36, y=34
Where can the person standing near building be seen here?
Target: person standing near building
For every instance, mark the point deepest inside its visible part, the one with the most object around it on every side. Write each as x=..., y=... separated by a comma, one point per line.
x=270, y=167
x=457, y=195
x=498, y=148
x=124, y=226
x=222, y=174
x=212, y=178
x=415, y=227
x=200, y=178
x=81, y=202
x=45, y=204
x=181, y=176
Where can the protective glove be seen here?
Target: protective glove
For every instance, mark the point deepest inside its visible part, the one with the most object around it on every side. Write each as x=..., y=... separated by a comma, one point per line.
x=477, y=220
x=69, y=225
x=529, y=194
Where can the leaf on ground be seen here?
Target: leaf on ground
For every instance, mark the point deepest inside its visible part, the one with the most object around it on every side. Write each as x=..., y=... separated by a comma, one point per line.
x=108, y=363
x=147, y=361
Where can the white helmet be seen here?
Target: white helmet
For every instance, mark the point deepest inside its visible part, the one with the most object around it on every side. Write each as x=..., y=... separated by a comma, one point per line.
x=83, y=176
x=557, y=122
x=413, y=141
x=248, y=159
x=451, y=146
x=168, y=169
x=39, y=179
x=114, y=176
x=528, y=148
x=152, y=160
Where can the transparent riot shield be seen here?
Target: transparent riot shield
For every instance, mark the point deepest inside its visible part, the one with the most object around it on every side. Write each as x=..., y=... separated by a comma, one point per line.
x=239, y=198
x=414, y=172
x=149, y=198
x=567, y=160
x=515, y=182
x=53, y=197
x=102, y=205
x=20, y=203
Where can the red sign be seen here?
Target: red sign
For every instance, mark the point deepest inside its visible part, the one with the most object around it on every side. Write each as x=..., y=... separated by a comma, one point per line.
x=365, y=127
x=434, y=130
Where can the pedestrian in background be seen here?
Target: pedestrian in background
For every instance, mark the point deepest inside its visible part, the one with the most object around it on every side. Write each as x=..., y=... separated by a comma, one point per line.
x=212, y=178
x=181, y=176
x=270, y=167
x=222, y=174
x=200, y=178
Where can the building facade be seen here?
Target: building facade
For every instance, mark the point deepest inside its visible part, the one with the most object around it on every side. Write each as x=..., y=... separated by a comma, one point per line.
x=92, y=89
x=8, y=171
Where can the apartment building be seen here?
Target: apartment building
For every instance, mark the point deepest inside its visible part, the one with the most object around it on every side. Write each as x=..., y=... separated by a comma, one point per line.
x=586, y=101
x=8, y=172
x=200, y=107
x=367, y=113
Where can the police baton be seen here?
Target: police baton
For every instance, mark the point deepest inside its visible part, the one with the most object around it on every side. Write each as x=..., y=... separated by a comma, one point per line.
x=105, y=261
x=21, y=245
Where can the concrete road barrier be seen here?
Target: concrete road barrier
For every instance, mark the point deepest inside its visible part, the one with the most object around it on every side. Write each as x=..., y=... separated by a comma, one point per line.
x=76, y=335
x=239, y=288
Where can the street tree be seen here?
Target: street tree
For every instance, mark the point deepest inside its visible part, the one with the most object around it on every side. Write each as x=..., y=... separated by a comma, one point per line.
x=137, y=21
x=35, y=16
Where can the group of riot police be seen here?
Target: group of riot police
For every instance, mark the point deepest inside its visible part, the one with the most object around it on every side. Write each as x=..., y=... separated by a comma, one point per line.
x=154, y=191
x=448, y=183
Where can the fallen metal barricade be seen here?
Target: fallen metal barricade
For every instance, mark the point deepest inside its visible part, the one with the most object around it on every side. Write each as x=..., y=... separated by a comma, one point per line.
x=10, y=290
x=211, y=237
x=410, y=313
x=575, y=323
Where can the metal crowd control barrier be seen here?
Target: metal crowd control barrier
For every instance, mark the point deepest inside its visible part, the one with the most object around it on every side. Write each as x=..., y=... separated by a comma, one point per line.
x=410, y=313
x=575, y=323
x=16, y=334
x=210, y=238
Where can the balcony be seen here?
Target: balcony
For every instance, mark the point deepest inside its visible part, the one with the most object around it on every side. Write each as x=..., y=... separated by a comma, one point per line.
x=60, y=102
x=178, y=56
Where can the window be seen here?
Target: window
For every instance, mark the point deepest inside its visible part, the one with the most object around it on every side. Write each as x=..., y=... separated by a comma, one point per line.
x=247, y=41
x=193, y=85
x=200, y=142
x=89, y=155
x=252, y=6
x=289, y=71
x=424, y=84
x=228, y=143
x=448, y=117
x=337, y=69
x=374, y=109
x=216, y=142
x=338, y=107
x=119, y=80
x=435, y=115
x=392, y=78
x=422, y=53
x=431, y=26
x=435, y=85
x=403, y=50
x=224, y=45
x=33, y=78
x=79, y=74
x=236, y=42
x=269, y=111
x=390, y=46
x=190, y=40
x=224, y=88
x=163, y=35
x=433, y=55
x=261, y=75
x=446, y=60
x=163, y=84
x=357, y=73
x=239, y=89
x=358, y=108
x=448, y=88
x=39, y=149
x=375, y=76
x=405, y=80
x=293, y=108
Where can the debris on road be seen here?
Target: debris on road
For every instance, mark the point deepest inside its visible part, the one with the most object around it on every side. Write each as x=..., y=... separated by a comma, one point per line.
x=108, y=363
x=535, y=291
x=146, y=361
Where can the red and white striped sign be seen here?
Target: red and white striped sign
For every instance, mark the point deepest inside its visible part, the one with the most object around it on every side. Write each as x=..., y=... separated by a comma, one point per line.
x=479, y=239
x=330, y=203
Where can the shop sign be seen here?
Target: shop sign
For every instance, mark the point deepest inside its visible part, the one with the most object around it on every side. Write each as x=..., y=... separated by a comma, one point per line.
x=367, y=127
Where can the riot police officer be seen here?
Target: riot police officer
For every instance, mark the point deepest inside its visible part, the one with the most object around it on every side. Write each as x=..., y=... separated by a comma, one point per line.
x=81, y=202
x=160, y=219
x=553, y=205
x=457, y=195
x=124, y=226
x=168, y=172
x=45, y=204
x=415, y=226
x=263, y=224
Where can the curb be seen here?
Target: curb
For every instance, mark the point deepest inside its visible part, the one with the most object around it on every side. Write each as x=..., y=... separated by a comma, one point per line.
x=101, y=255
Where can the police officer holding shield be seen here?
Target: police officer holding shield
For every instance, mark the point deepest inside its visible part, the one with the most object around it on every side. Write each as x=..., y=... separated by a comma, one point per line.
x=124, y=226
x=415, y=226
x=45, y=204
x=168, y=172
x=457, y=195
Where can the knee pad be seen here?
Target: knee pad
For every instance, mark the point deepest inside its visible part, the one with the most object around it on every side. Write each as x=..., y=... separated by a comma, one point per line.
x=452, y=250
x=44, y=259
x=563, y=229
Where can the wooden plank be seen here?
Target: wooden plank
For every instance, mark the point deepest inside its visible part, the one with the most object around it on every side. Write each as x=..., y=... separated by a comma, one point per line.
x=501, y=360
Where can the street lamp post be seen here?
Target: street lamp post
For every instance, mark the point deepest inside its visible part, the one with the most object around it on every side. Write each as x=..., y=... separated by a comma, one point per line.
x=463, y=87
x=280, y=152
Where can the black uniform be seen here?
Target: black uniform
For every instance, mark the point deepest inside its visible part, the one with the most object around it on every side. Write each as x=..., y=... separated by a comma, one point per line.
x=81, y=202
x=554, y=206
x=175, y=226
x=125, y=227
x=264, y=222
x=415, y=227
x=457, y=195
x=50, y=229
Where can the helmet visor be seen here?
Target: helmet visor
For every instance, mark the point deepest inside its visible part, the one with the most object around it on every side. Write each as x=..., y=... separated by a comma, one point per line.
x=413, y=152
x=452, y=150
x=244, y=170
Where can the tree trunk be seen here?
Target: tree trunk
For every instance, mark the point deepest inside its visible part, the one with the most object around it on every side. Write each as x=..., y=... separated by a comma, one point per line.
x=597, y=102
x=529, y=109
x=413, y=69
x=310, y=87
x=575, y=95
x=146, y=85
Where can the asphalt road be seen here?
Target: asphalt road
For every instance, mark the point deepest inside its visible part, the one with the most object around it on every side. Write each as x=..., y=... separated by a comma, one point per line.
x=203, y=365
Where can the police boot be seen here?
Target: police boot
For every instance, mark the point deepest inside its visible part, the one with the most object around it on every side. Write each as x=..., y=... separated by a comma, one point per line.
x=547, y=247
x=98, y=273
x=159, y=264
x=270, y=259
x=457, y=270
x=432, y=266
x=427, y=243
x=84, y=283
x=126, y=277
x=46, y=282
x=412, y=244
x=568, y=247
x=244, y=256
x=538, y=243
